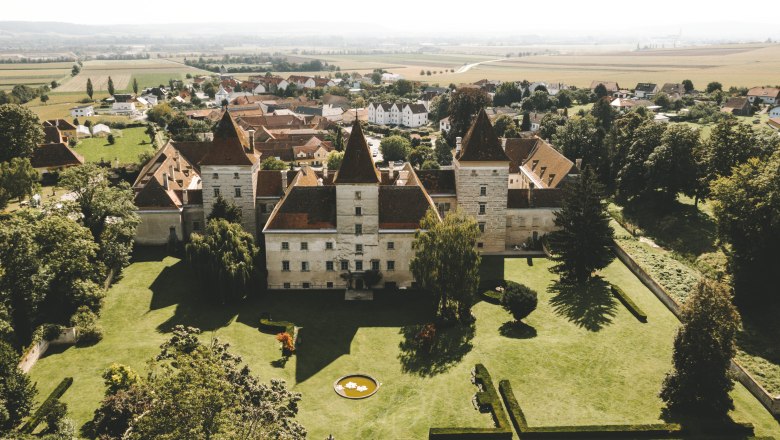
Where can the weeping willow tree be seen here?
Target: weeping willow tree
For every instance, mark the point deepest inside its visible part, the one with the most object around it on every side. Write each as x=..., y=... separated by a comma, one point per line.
x=224, y=258
x=446, y=263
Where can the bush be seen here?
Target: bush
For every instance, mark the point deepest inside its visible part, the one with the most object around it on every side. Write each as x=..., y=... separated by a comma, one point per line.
x=43, y=410
x=56, y=412
x=111, y=139
x=276, y=327
x=87, y=326
x=287, y=342
x=519, y=300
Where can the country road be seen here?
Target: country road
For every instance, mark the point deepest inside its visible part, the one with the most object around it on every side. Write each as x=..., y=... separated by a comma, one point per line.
x=468, y=67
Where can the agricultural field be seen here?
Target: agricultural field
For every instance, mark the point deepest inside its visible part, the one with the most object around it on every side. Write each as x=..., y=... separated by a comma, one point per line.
x=732, y=65
x=33, y=74
x=148, y=73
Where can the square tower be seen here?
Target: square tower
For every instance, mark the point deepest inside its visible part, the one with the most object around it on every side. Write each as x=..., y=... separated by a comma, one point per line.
x=481, y=182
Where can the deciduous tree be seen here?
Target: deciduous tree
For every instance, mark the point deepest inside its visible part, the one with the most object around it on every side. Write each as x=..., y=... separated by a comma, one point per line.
x=20, y=132
x=395, y=148
x=465, y=103
x=226, y=210
x=17, y=392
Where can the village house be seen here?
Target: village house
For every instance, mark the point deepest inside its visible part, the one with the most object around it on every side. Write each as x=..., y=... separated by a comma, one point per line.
x=414, y=115
x=645, y=90
x=329, y=230
x=611, y=86
x=82, y=111
x=65, y=128
x=54, y=154
x=767, y=95
x=774, y=112
x=674, y=90
x=123, y=104
x=444, y=124
x=408, y=115
x=222, y=95
x=738, y=106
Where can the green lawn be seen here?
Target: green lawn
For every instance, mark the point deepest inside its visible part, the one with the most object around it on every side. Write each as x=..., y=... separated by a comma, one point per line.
x=579, y=362
x=131, y=143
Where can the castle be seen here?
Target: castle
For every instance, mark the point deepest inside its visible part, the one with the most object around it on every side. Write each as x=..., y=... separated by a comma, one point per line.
x=330, y=229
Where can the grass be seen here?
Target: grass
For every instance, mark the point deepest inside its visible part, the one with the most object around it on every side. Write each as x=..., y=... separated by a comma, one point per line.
x=59, y=105
x=131, y=143
x=569, y=365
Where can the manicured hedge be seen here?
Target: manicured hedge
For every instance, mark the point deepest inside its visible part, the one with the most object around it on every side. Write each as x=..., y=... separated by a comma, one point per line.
x=275, y=327
x=45, y=407
x=488, y=400
x=630, y=305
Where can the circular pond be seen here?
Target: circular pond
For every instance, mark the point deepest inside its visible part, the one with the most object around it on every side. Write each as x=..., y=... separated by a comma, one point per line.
x=356, y=386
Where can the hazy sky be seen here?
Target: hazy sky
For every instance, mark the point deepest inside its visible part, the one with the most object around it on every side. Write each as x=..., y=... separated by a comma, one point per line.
x=485, y=16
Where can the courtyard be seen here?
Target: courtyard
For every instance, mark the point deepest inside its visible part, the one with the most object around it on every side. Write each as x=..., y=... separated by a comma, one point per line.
x=579, y=360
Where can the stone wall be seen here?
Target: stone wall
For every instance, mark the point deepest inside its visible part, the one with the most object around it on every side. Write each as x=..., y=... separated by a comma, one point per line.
x=469, y=179
x=228, y=179
x=67, y=336
x=155, y=226
x=522, y=223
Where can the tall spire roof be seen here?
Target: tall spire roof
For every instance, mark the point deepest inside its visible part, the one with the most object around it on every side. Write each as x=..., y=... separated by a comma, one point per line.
x=230, y=146
x=358, y=165
x=481, y=143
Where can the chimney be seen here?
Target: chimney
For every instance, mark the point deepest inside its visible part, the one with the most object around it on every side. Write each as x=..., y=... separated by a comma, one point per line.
x=284, y=180
x=165, y=181
x=578, y=163
x=458, y=141
x=185, y=196
x=391, y=173
x=325, y=170
x=177, y=159
x=503, y=143
x=252, y=139
x=170, y=171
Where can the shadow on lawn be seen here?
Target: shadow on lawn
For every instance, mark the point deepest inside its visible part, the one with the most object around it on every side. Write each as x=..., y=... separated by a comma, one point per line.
x=449, y=347
x=591, y=306
x=517, y=330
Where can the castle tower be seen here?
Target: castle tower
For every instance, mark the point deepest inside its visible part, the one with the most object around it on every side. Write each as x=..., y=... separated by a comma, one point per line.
x=481, y=181
x=229, y=169
x=357, y=204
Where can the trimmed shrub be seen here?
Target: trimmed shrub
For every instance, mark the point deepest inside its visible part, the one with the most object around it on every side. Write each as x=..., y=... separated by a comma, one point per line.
x=519, y=300
x=86, y=323
x=46, y=406
x=630, y=305
x=276, y=327
x=493, y=296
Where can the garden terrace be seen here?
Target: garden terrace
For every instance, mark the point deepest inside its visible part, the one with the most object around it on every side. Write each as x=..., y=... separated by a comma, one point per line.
x=580, y=360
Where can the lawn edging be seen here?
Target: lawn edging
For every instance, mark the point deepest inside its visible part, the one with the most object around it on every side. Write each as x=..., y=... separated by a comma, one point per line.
x=770, y=402
x=487, y=400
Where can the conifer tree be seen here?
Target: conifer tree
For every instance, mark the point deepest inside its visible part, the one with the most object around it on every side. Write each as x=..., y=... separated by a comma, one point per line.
x=135, y=86
x=583, y=242
x=110, y=86
x=90, y=91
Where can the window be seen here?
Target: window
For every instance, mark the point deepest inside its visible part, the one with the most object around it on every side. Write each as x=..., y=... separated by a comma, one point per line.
x=196, y=226
x=329, y=245
x=358, y=229
x=483, y=190
x=358, y=264
x=344, y=265
x=304, y=246
x=235, y=176
x=304, y=266
x=285, y=245
x=374, y=264
x=216, y=192
x=329, y=266
x=481, y=226
x=358, y=210
x=480, y=245
x=482, y=208
x=306, y=285
x=390, y=245
x=329, y=284
x=390, y=265
x=286, y=285
x=358, y=248
x=358, y=195
x=215, y=176
x=238, y=191
x=285, y=266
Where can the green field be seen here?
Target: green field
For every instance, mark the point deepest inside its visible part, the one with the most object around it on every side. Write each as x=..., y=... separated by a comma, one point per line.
x=32, y=74
x=130, y=142
x=582, y=360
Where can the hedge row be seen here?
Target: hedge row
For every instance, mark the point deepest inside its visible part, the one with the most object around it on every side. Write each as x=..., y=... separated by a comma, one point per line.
x=276, y=327
x=520, y=423
x=45, y=407
x=487, y=400
x=629, y=303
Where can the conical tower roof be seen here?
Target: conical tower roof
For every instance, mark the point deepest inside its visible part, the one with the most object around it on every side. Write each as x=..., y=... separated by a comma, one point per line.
x=358, y=165
x=230, y=146
x=481, y=143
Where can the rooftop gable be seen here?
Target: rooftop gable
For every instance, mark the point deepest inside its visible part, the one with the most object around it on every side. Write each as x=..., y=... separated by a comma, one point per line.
x=358, y=164
x=481, y=143
x=229, y=146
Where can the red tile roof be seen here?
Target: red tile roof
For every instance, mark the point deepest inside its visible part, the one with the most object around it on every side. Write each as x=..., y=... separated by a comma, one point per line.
x=437, y=182
x=402, y=207
x=481, y=143
x=229, y=146
x=306, y=207
x=55, y=155
x=358, y=164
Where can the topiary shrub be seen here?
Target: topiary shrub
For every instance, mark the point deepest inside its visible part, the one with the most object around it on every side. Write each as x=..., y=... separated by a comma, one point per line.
x=519, y=300
x=86, y=322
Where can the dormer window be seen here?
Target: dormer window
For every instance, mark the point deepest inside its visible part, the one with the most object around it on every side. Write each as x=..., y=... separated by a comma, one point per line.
x=541, y=174
x=534, y=164
x=550, y=179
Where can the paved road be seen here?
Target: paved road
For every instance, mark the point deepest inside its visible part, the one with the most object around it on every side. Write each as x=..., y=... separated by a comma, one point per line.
x=468, y=67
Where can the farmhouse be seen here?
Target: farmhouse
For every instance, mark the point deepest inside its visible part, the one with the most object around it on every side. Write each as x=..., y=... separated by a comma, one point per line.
x=739, y=106
x=612, y=86
x=767, y=95
x=65, y=128
x=123, y=104
x=54, y=155
x=82, y=111
x=334, y=230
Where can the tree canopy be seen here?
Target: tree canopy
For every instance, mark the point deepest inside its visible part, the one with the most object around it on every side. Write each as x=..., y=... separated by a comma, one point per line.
x=395, y=148
x=465, y=103
x=20, y=132
x=272, y=163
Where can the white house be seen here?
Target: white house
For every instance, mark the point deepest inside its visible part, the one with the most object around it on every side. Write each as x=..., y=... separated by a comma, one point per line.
x=414, y=115
x=302, y=82
x=444, y=124
x=775, y=112
x=221, y=95
x=124, y=104
x=82, y=111
x=100, y=130
x=379, y=113
x=150, y=98
x=391, y=77
x=767, y=95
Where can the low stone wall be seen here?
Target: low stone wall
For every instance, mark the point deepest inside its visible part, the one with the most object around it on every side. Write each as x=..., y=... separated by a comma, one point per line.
x=772, y=403
x=67, y=336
